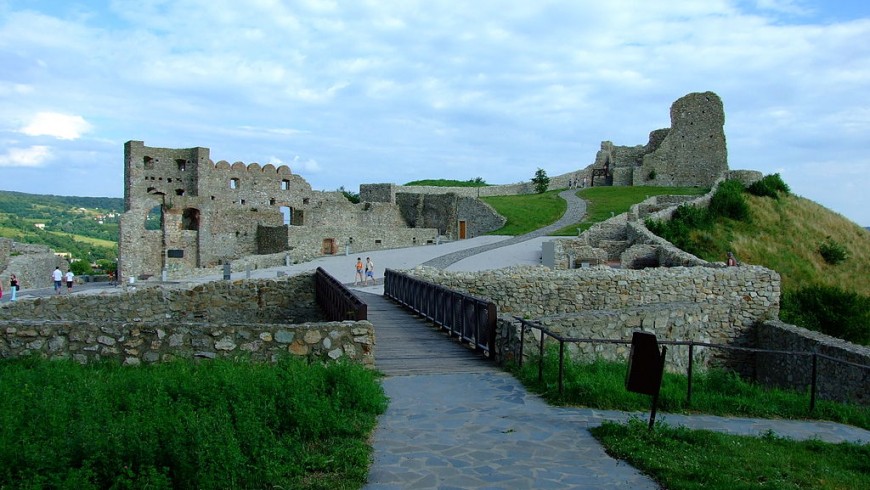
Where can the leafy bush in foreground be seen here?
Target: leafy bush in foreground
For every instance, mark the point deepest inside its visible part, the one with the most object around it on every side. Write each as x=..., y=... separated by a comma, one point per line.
x=217, y=424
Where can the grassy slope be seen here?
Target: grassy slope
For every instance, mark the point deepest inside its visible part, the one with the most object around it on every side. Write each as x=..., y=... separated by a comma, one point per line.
x=785, y=234
x=527, y=212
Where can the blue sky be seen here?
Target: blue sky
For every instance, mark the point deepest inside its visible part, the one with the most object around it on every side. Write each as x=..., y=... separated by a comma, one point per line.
x=392, y=91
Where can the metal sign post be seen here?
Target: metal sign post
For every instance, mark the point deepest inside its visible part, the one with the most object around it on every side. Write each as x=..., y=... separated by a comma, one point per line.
x=646, y=365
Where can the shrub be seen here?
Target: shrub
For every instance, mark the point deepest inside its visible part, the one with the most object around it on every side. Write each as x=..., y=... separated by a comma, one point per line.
x=833, y=252
x=830, y=310
x=769, y=186
x=728, y=201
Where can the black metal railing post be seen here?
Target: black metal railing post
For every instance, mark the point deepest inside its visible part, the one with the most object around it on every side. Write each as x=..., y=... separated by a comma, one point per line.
x=813, y=382
x=689, y=373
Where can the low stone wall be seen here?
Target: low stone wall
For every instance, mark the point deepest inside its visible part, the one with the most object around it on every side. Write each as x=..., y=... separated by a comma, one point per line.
x=683, y=321
x=136, y=343
x=288, y=299
x=837, y=381
x=715, y=305
x=750, y=293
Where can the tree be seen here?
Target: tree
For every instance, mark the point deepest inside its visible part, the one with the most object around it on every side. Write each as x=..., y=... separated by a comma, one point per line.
x=350, y=196
x=541, y=181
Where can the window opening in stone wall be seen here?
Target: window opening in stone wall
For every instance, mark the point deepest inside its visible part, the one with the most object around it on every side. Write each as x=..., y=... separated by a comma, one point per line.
x=241, y=201
x=305, y=200
x=285, y=185
x=212, y=198
x=148, y=162
x=182, y=165
x=154, y=218
x=288, y=214
x=234, y=183
x=272, y=202
x=179, y=192
x=190, y=219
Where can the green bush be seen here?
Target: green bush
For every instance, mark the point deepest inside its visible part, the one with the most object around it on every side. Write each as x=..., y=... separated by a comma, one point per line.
x=769, y=186
x=81, y=267
x=830, y=310
x=729, y=202
x=833, y=252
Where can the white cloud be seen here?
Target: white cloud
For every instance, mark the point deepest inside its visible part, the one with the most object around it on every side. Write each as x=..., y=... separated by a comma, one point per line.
x=60, y=126
x=34, y=156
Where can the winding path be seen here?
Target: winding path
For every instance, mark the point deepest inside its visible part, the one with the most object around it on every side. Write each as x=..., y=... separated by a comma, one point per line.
x=574, y=213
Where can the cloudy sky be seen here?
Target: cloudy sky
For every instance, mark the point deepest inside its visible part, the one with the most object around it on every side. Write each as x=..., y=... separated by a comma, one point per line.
x=350, y=92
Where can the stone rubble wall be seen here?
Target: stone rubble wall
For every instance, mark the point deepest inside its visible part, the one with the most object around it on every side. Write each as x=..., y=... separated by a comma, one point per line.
x=288, y=299
x=749, y=293
x=677, y=321
x=134, y=343
x=836, y=380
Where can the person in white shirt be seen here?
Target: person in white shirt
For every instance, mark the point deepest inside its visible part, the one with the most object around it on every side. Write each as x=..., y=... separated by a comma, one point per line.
x=57, y=277
x=69, y=280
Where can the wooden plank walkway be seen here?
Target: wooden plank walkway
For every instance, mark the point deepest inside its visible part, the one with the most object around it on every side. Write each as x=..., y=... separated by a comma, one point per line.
x=407, y=344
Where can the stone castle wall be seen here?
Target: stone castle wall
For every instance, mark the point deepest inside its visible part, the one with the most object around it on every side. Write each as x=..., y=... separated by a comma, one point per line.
x=288, y=299
x=213, y=213
x=259, y=319
x=149, y=342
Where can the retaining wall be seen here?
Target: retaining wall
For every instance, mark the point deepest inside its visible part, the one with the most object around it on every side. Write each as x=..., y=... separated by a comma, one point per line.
x=838, y=381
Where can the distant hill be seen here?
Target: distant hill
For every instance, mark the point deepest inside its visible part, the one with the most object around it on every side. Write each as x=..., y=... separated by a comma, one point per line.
x=85, y=227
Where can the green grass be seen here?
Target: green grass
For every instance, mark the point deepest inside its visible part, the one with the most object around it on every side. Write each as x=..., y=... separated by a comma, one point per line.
x=606, y=202
x=683, y=459
x=215, y=424
x=601, y=384
x=527, y=212
x=84, y=239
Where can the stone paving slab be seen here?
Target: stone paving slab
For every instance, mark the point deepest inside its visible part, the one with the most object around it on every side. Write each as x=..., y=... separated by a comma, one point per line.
x=485, y=431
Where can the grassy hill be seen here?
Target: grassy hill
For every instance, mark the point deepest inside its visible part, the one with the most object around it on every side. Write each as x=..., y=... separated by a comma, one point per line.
x=86, y=227
x=785, y=235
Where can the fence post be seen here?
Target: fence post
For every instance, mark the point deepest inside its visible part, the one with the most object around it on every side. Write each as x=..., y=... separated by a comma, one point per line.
x=689, y=374
x=813, y=382
x=522, y=340
x=541, y=359
x=561, y=363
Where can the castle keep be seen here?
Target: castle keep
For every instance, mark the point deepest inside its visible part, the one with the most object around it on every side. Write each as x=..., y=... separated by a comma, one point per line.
x=205, y=214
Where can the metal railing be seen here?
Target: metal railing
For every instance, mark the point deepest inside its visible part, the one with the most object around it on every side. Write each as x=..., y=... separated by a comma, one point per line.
x=690, y=343
x=338, y=302
x=471, y=319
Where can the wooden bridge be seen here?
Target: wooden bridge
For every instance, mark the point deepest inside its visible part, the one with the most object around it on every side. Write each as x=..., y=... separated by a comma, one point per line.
x=409, y=344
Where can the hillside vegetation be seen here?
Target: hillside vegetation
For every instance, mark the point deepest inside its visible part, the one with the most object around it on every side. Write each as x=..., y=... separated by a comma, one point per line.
x=85, y=227
x=822, y=257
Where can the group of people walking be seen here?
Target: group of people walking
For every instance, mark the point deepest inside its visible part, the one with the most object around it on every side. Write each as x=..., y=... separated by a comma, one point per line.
x=368, y=269
x=57, y=276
